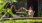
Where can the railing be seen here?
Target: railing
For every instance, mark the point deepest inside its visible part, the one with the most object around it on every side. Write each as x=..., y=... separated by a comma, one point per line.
x=23, y=18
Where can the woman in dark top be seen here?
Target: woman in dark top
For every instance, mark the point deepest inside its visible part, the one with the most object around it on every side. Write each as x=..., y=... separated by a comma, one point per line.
x=13, y=9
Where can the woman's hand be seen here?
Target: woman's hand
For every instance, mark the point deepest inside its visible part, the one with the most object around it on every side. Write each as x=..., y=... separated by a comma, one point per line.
x=23, y=8
x=34, y=11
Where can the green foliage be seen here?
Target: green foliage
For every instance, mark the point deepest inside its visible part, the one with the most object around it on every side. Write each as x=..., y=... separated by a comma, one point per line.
x=2, y=6
x=8, y=21
x=13, y=0
x=9, y=11
x=22, y=21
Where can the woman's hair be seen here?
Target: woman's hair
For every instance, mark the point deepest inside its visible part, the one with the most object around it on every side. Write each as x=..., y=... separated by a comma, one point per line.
x=31, y=7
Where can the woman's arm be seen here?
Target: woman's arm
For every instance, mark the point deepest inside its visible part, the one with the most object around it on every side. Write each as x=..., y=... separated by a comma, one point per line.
x=11, y=7
x=16, y=10
x=20, y=9
x=25, y=9
x=34, y=11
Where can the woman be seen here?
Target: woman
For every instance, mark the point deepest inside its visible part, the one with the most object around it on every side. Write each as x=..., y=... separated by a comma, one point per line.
x=30, y=12
x=13, y=8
